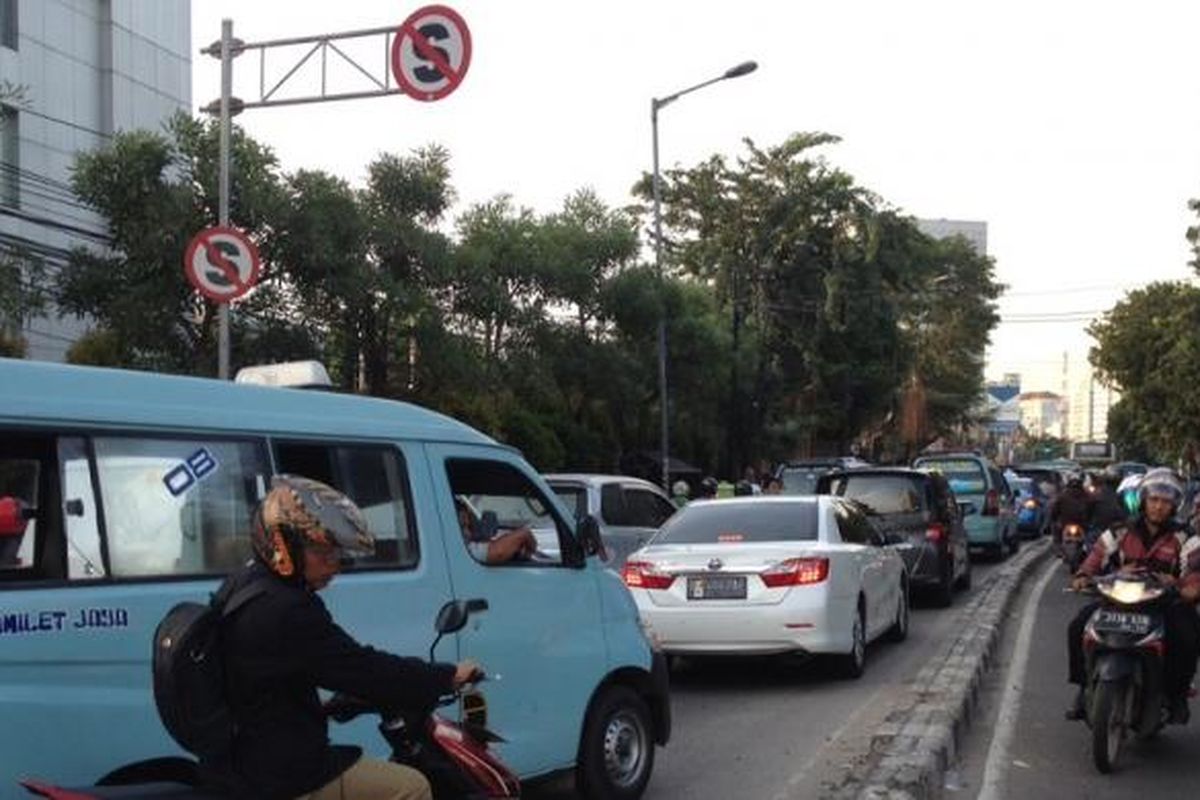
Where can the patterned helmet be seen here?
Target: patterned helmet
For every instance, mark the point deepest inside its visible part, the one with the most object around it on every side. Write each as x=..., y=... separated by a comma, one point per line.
x=1161, y=482
x=300, y=511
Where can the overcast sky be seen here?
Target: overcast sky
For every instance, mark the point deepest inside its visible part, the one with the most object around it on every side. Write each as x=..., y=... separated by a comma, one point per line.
x=1071, y=128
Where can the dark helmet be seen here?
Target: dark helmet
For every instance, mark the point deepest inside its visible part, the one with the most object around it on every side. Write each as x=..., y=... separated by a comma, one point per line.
x=709, y=486
x=1161, y=482
x=298, y=512
x=1075, y=482
x=743, y=488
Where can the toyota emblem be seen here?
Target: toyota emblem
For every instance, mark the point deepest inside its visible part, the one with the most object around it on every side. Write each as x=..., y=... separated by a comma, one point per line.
x=716, y=563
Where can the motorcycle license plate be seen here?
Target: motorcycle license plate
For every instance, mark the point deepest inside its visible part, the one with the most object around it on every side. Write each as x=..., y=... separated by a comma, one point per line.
x=717, y=587
x=1122, y=622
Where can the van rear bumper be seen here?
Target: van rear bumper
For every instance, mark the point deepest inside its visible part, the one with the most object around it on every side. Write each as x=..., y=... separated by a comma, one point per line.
x=660, y=697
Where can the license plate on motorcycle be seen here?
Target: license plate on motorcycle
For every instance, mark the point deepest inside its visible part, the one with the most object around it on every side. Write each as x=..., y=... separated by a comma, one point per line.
x=1122, y=622
x=716, y=587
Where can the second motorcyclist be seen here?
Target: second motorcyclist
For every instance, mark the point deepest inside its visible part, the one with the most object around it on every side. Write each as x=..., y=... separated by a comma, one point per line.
x=1152, y=540
x=1073, y=506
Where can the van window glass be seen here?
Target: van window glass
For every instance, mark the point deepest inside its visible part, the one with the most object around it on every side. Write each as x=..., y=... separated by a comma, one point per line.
x=178, y=506
x=965, y=476
x=614, y=509
x=883, y=494
x=854, y=526
x=573, y=497
x=20, y=479
x=503, y=501
x=376, y=479
x=646, y=509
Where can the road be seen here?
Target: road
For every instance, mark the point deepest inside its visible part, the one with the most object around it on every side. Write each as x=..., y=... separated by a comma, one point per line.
x=1023, y=747
x=774, y=728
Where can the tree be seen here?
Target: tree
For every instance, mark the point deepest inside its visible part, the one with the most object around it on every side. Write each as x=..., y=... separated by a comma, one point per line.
x=156, y=191
x=1148, y=346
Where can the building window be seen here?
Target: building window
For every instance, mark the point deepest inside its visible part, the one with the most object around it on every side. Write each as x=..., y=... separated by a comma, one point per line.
x=10, y=157
x=8, y=24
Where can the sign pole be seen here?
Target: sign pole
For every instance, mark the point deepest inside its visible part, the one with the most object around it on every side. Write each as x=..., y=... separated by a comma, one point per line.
x=223, y=184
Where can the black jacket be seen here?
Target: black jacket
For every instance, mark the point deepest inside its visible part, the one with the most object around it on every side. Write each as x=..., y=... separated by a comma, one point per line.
x=1071, y=506
x=278, y=649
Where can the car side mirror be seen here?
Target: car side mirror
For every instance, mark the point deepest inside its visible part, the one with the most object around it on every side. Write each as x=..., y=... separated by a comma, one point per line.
x=590, y=539
x=967, y=508
x=451, y=618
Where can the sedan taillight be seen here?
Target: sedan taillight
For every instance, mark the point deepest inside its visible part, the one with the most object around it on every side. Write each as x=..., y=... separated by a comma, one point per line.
x=935, y=532
x=796, y=572
x=644, y=575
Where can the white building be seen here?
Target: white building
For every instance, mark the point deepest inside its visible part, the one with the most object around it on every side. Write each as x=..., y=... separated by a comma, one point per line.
x=1043, y=413
x=973, y=232
x=87, y=69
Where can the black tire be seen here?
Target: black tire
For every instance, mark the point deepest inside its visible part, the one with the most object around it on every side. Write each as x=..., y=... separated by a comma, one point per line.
x=964, y=583
x=616, y=755
x=899, y=630
x=996, y=552
x=1109, y=728
x=852, y=664
x=943, y=594
x=1014, y=544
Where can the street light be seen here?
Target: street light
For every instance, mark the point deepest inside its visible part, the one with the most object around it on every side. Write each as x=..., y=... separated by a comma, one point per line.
x=745, y=68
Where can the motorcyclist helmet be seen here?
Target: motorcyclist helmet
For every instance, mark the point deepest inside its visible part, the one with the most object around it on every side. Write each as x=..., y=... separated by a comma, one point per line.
x=1128, y=491
x=680, y=489
x=743, y=488
x=1075, y=482
x=708, y=487
x=299, y=512
x=1161, y=482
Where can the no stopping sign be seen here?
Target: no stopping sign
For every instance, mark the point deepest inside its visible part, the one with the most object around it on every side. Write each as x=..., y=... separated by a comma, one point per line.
x=222, y=263
x=431, y=53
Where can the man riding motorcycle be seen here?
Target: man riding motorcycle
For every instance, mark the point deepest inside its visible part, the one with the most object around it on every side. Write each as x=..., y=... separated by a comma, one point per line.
x=1152, y=540
x=1107, y=509
x=281, y=647
x=1073, y=506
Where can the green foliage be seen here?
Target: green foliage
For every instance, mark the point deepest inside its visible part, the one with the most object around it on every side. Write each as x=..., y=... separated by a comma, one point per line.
x=1148, y=346
x=12, y=346
x=98, y=348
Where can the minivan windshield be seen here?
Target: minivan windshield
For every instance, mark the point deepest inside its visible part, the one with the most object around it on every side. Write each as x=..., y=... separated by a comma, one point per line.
x=723, y=522
x=883, y=494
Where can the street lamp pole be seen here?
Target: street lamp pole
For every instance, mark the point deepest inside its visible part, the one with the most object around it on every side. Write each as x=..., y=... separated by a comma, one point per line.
x=745, y=68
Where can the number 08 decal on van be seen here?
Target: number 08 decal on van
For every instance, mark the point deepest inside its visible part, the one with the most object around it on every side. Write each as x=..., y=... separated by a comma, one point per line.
x=124, y=493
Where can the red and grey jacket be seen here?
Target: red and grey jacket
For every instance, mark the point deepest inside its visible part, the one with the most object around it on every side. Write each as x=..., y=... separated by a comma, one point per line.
x=1171, y=551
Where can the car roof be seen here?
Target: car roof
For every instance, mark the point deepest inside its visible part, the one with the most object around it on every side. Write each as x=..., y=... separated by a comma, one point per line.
x=597, y=479
x=760, y=499
x=909, y=471
x=40, y=393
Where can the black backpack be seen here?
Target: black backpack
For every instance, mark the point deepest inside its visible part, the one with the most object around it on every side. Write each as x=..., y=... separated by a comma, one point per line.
x=189, y=672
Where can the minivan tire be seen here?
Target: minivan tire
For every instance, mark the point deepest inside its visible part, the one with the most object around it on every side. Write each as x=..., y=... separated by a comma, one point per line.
x=616, y=755
x=943, y=593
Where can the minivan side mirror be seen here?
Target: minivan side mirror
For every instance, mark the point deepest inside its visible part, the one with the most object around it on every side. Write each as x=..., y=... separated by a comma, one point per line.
x=451, y=618
x=967, y=508
x=590, y=539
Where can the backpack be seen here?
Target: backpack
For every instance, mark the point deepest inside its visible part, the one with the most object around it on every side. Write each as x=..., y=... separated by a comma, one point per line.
x=189, y=672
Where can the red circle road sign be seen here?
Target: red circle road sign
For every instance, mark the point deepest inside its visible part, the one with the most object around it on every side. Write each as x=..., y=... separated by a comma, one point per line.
x=222, y=263
x=431, y=53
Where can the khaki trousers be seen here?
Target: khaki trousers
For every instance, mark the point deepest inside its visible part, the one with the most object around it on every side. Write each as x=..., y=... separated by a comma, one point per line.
x=372, y=779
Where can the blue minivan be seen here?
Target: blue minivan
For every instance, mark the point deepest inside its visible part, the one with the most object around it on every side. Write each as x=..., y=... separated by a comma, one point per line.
x=991, y=522
x=136, y=492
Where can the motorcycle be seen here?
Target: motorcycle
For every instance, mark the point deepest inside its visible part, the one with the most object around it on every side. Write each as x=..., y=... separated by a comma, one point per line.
x=454, y=757
x=1072, y=546
x=1124, y=644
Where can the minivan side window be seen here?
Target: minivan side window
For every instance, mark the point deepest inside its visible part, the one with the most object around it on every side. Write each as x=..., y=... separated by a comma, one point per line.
x=854, y=527
x=501, y=498
x=20, y=480
x=646, y=509
x=375, y=477
x=177, y=506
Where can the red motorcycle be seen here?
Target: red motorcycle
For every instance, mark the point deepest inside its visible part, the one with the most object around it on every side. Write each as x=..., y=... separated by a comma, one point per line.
x=455, y=758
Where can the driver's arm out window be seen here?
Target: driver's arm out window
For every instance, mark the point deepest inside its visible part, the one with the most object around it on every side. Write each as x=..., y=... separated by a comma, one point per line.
x=498, y=491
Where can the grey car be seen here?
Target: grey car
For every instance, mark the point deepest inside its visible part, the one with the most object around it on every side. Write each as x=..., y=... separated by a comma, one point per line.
x=629, y=510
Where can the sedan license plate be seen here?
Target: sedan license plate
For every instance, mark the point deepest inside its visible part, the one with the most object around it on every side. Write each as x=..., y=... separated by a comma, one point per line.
x=1122, y=622
x=717, y=587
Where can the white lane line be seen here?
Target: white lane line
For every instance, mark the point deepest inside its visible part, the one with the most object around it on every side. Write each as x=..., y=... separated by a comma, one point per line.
x=998, y=757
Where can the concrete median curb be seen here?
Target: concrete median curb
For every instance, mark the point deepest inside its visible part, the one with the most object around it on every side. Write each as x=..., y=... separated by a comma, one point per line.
x=911, y=752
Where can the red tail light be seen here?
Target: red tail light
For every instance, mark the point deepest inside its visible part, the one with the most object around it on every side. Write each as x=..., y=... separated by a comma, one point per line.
x=796, y=572
x=991, y=504
x=644, y=575
x=935, y=532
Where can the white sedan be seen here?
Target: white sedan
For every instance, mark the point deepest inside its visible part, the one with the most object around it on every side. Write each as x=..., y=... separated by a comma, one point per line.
x=763, y=575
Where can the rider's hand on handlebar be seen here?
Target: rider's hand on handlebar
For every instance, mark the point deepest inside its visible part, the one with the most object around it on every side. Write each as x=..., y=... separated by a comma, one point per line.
x=1190, y=593
x=1080, y=582
x=467, y=671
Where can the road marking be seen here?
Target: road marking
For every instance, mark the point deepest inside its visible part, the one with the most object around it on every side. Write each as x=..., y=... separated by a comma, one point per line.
x=992, y=785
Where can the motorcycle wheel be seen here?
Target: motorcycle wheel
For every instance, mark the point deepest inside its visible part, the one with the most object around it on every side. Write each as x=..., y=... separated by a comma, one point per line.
x=1109, y=726
x=617, y=755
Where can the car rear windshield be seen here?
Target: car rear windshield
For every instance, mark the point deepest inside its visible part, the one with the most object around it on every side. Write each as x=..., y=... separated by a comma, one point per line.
x=803, y=479
x=721, y=522
x=883, y=494
x=965, y=476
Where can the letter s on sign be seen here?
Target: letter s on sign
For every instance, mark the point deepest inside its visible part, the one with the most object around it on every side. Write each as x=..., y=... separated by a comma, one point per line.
x=433, y=32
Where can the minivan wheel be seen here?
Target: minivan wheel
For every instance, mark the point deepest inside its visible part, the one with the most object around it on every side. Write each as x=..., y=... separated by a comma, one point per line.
x=943, y=595
x=617, y=753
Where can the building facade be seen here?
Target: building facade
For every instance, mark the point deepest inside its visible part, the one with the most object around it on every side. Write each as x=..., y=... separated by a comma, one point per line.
x=82, y=70
x=1043, y=413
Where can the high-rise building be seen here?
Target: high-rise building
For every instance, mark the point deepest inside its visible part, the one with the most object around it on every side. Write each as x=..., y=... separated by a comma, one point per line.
x=1088, y=402
x=76, y=72
x=1042, y=413
x=973, y=232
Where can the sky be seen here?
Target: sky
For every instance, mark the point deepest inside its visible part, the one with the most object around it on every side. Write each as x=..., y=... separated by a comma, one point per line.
x=1071, y=128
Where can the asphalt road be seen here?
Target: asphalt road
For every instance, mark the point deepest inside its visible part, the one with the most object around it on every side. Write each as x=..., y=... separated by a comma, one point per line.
x=1038, y=754
x=776, y=728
